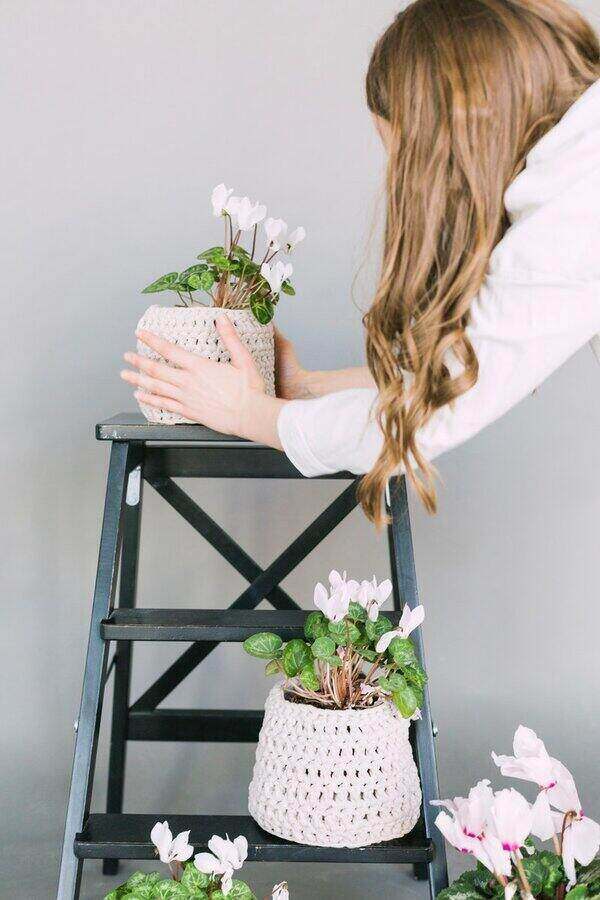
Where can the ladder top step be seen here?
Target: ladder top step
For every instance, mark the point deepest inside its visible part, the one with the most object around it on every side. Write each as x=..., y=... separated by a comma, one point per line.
x=132, y=426
x=233, y=625
x=113, y=836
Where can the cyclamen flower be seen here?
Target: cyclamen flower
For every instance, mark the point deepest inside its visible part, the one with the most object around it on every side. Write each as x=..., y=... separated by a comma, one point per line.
x=281, y=892
x=334, y=606
x=275, y=229
x=531, y=761
x=297, y=235
x=472, y=812
x=372, y=596
x=275, y=275
x=581, y=842
x=512, y=819
x=342, y=583
x=219, y=198
x=169, y=849
x=246, y=213
x=410, y=619
x=225, y=858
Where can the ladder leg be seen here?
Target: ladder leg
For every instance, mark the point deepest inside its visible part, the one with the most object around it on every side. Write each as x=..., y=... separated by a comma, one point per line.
x=123, y=650
x=404, y=579
x=122, y=460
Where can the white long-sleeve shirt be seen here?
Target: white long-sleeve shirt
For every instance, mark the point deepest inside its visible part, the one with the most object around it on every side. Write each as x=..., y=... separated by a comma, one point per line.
x=539, y=304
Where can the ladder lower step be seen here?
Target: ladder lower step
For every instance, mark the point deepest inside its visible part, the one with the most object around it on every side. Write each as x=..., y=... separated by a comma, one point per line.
x=127, y=836
x=219, y=725
x=213, y=625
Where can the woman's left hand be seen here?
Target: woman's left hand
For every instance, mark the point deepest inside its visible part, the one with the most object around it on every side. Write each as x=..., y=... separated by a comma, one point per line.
x=229, y=398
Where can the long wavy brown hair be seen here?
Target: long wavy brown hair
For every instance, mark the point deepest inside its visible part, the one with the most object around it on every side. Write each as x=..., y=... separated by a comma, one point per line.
x=467, y=87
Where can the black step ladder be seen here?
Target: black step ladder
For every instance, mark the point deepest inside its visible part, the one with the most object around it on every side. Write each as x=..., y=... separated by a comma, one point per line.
x=155, y=454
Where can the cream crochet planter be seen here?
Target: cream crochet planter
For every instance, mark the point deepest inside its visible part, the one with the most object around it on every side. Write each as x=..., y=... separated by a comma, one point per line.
x=193, y=328
x=334, y=778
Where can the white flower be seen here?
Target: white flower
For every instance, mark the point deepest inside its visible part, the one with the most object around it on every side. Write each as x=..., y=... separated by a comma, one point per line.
x=343, y=584
x=275, y=275
x=247, y=214
x=581, y=842
x=280, y=892
x=225, y=858
x=472, y=812
x=410, y=619
x=219, y=198
x=531, y=761
x=275, y=229
x=455, y=836
x=542, y=825
x=512, y=819
x=372, y=596
x=334, y=606
x=169, y=849
x=297, y=235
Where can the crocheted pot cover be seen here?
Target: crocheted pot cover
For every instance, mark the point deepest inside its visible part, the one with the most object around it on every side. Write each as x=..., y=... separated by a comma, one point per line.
x=193, y=328
x=334, y=778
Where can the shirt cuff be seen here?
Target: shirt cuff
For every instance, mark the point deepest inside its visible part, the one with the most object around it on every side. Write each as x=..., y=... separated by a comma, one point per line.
x=293, y=440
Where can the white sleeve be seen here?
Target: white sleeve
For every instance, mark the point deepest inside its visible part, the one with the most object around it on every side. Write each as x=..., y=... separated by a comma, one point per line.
x=521, y=333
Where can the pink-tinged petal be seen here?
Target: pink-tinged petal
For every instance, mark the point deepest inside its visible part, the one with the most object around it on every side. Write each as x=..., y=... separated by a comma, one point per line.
x=412, y=619
x=537, y=769
x=335, y=579
x=241, y=846
x=586, y=839
x=526, y=743
x=162, y=838
x=500, y=859
x=568, y=857
x=542, y=825
x=563, y=795
x=510, y=890
x=450, y=805
x=208, y=864
x=383, y=591
x=512, y=819
x=226, y=882
x=385, y=640
x=320, y=596
x=181, y=848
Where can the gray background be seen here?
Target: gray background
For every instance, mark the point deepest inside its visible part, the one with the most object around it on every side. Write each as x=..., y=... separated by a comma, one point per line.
x=118, y=119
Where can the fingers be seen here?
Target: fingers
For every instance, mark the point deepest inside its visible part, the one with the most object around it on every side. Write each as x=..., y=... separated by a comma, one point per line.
x=240, y=355
x=174, y=354
x=155, y=369
x=151, y=385
x=160, y=402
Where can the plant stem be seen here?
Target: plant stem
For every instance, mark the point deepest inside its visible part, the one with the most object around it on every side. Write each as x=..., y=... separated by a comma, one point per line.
x=522, y=875
x=183, y=303
x=254, y=242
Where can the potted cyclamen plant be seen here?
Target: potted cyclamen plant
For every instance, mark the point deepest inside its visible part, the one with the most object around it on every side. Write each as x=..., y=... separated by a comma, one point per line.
x=239, y=283
x=209, y=876
x=334, y=765
x=497, y=829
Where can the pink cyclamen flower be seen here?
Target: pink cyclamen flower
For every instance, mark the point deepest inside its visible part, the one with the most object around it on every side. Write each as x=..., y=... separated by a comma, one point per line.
x=531, y=760
x=581, y=842
x=225, y=858
x=297, y=235
x=543, y=823
x=472, y=813
x=511, y=818
x=410, y=619
x=334, y=606
x=171, y=849
x=372, y=596
x=275, y=230
x=219, y=199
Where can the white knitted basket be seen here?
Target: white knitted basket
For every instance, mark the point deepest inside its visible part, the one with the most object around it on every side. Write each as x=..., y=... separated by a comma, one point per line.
x=193, y=328
x=334, y=778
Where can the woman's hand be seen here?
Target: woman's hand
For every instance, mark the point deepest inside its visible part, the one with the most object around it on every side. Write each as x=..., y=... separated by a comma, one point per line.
x=290, y=377
x=229, y=398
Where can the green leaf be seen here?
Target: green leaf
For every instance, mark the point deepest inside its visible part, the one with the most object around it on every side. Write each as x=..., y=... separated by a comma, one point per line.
x=273, y=667
x=546, y=869
x=142, y=885
x=309, y=678
x=378, y=628
x=467, y=887
x=323, y=647
x=170, y=890
x=240, y=891
x=315, y=626
x=287, y=288
x=213, y=253
x=365, y=653
x=334, y=662
x=344, y=632
x=262, y=309
x=356, y=612
x=577, y=893
x=239, y=252
x=590, y=875
x=264, y=645
x=402, y=651
x=407, y=701
x=207, y=279
x=296, y=656
x=415, y=675
x=194, y=880
x=393, y=682
x=164, y=283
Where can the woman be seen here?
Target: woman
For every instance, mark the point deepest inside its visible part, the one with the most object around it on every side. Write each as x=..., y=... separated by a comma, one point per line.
x=490, y=114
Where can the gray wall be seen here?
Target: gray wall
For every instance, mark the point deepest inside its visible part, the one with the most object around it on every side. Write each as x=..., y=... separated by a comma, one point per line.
x=118, y=118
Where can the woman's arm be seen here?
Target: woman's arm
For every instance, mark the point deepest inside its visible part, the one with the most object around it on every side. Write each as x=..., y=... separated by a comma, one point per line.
x=296, y=383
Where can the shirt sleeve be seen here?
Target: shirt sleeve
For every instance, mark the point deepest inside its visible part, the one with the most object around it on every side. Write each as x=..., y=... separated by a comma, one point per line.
x=521, y=332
